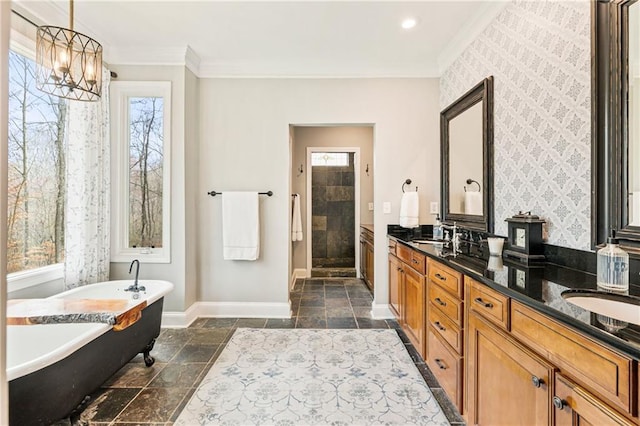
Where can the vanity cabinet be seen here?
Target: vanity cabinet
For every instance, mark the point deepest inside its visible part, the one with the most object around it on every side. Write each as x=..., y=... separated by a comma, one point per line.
x=366, y=256
x=407, y=292
x=445, y=333
x=503, y=362
x=548, y=372
x=507, y=383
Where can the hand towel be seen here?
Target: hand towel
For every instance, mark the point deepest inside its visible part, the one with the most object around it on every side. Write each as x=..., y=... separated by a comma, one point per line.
x=296, y=220
x=473, y=203
x=240, y=226
x=409, y=210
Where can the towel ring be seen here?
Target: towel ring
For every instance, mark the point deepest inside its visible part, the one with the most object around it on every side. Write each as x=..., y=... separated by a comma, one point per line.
x=408, y=182
x=470, y=181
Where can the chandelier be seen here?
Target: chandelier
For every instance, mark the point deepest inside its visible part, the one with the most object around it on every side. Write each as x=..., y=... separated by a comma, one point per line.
x=68, y=63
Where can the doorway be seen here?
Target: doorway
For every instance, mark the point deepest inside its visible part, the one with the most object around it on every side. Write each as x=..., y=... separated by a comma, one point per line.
x=332, y=180
x=333, y=213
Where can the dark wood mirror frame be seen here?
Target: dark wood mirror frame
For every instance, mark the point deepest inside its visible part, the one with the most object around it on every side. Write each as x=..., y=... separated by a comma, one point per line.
x=610, y=137
x=482, y=92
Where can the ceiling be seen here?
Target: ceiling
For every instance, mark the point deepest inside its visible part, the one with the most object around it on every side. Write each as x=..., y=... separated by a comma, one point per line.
x=287, y=38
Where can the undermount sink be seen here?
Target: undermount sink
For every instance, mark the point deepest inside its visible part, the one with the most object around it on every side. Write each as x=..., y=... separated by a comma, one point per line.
x=618, y=306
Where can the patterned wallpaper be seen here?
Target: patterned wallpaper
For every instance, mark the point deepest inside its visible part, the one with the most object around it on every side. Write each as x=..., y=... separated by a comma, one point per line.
x=539, y=53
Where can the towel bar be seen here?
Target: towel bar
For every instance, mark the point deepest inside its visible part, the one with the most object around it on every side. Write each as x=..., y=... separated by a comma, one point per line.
x=214, y=193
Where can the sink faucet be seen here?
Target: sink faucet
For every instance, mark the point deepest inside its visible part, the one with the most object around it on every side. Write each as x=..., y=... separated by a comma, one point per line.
x=455, y=237
x=134, y=287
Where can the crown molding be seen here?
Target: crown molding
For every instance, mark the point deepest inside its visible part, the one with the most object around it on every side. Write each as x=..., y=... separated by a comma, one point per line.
x=210, y=69
x=472, y=30
x=192, y=61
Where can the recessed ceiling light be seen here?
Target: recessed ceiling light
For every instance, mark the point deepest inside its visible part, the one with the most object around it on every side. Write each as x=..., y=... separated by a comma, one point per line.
x=408, y=23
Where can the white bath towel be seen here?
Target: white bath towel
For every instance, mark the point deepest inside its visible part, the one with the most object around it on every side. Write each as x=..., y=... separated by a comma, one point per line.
x=240, y=225
x=296, y=220
x=473, y=203
x=409, y=210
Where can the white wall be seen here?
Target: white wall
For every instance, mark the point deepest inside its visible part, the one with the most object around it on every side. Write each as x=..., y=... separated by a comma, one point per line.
x=244, y=145
x=181, y=189
x=347, y=136
x=5, y=13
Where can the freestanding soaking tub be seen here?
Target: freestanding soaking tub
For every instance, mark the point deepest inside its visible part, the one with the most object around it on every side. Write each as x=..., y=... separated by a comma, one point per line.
x=52, y=368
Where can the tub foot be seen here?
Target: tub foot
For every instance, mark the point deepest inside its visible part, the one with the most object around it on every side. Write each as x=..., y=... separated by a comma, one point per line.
x=74, y=416
x=148, y=359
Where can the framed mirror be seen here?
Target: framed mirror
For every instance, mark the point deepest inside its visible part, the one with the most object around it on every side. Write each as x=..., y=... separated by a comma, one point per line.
x=616, y=123
x=466, y=159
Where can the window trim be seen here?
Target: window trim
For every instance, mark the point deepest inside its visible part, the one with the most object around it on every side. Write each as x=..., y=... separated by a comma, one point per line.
x=121, y=91
x=34, y=277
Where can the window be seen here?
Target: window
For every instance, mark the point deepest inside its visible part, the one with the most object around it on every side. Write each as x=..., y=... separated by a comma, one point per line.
x=336, y=159
x=36, y=168
x=142, y=112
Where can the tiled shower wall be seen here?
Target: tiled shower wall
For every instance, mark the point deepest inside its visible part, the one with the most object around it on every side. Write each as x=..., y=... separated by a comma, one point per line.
x=539, y=54
x=333, y=215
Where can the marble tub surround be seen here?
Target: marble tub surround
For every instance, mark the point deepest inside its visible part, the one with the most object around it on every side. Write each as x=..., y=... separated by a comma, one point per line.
x=541, y=288
x=120, y=313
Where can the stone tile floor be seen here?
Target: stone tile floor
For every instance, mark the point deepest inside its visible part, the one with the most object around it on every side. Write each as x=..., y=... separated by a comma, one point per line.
x=137, y=395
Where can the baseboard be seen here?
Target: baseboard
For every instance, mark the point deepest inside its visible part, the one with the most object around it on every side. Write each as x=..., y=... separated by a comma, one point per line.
x=180, y=319
x=225, y=310
x=381, y=311
x=297, y=273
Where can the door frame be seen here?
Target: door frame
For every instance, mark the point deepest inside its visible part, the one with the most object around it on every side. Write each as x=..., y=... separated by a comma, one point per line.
x=356, y=196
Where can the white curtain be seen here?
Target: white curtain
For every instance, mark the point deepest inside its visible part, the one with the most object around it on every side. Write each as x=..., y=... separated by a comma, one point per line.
x=87, y=219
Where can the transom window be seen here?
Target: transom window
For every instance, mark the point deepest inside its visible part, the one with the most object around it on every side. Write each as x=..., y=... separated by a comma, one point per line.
x=337, y=159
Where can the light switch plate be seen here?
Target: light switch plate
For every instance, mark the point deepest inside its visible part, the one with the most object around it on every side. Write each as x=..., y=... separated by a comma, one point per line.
x=386, y=207
x=370, y=206
x=433, y=207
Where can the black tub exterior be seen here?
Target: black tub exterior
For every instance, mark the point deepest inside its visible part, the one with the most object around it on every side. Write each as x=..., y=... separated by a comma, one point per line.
x=52, y=393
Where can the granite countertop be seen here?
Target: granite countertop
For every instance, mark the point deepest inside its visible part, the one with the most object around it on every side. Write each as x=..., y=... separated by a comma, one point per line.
x=539, y=287
x=119, y=313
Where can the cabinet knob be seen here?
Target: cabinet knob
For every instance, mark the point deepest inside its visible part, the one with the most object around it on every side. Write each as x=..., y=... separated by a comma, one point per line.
x=439, y=301
x=440, y=277
x=537, y=381
x=558, y=403
x=440, y=364
x=483, y=303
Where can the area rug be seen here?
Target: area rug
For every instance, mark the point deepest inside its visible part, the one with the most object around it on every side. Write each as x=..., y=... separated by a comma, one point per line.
x=313, y=377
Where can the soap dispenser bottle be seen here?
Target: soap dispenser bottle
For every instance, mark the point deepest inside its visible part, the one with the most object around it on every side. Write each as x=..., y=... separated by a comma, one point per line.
x=437, y=229
x=613, y=267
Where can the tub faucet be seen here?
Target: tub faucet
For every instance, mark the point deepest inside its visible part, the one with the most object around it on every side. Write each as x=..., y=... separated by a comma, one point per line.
x=134, y=287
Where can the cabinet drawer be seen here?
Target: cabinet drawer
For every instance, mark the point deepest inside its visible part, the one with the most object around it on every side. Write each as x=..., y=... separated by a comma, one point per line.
x=488, y=303
x=450, y=305
x=404, y=253
x=366, y=235
x=447, y=367
x=392, y=247
x=418, y=262
x=602, y=370
x=411, y=257
x=447, y=278
x=444, y=327
x=572, y=403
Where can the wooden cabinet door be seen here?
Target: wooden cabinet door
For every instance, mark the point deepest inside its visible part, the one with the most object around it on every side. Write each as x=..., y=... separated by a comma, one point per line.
x=414, y=308
x=575, y=406
x=507, y=384
x=369, y=265
x=395, y=287
x=363, y=259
